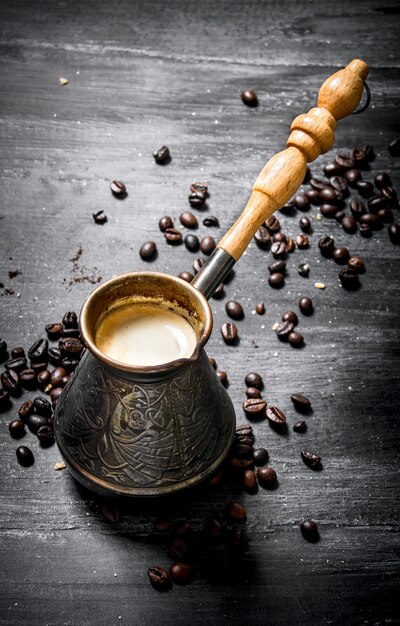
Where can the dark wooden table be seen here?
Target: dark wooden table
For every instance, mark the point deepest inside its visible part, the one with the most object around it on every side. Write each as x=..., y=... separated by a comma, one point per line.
x=145, y=74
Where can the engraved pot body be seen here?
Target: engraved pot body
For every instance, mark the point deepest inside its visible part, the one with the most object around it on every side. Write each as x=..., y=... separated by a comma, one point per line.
x=144, y=431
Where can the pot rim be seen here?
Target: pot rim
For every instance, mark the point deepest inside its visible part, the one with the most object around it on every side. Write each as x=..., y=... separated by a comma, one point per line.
x=85, y=325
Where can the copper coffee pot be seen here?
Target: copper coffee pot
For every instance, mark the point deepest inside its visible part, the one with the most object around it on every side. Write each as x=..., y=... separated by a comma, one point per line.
x=154, y=430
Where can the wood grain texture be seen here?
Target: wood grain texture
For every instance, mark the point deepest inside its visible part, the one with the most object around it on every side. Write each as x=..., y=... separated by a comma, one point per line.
x=142, y=75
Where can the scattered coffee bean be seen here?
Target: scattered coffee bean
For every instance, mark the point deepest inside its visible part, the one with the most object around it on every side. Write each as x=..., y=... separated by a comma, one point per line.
x=303, y=269
x=202, y=187
x=45, y=434
x=54, y=356
x=313, y=196
x=187, y=276
x=349, y=279
x=159, y=578
x=276, y=280
x=375, y=203
x=236, y=512
x=300, y=427
x=278, y=249
x=386, y=215
x=57, y=376
x=309, y=530
x=69, y=363
x=17, y=429
x=10, y=382
x=196, y=199
x=148, y=250
x=262, y=237
x=24, y=456
x=345, y=161
x=254, y=380
x=272, y=224
x=43, y=378
x=394, y=148
x=27, y=378
x=290, y=316
x=329, y=210
x=234, y=310
x=318, y=183
x=365, y=188
x=118, y=188
x=70, y=346
x=70, y=320
x=207, y=245
x=192, y=242
x=339, y=183
x=198, y=264
x=311, y=459
x=165, y=222
x=42, y=406
x=181, y=573
x=326, y=245
x=253, y=392
x=254, y=407
x=279, y=237
x=4, y=399
x=357, y=264
x=275, y=416
x=302, y=242
x=353, y=176
x=260, y=308
x=373, y=221
x=213, y=362
x=17, y=352
x=229, y=332
x=357, y=208
x=162, y=155
x=34, y=422
x=394, y=233
x=211, y=220
x=295, y=339
x=301, y=403
x=341, y=255
x=305, y=224
x=290, y=246
x=306, y=305
x=339, y=216
x=260, y=456
x=332, y=169
x=178, y=550
x=301, y=201
x=223, y=377
x=188, y=220
x=249, y=97
x=55, y=394
x=284, y=329
x=328, y=195
x=100, y=217
x=54, y=330
x=25, y=410
x=277, y=267
x=173, y=236
x=16, y=365
x=250, y=481
x=382, y=179
x=267, y=477
x=219, y=291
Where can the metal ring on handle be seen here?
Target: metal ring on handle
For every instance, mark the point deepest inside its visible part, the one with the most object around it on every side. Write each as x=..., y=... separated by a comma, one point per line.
x=366, y=105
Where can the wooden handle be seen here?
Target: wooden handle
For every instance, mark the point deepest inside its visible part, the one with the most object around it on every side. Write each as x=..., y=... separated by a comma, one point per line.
x=312, y=135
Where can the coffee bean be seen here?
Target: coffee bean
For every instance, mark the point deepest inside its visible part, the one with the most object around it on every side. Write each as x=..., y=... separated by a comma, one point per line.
x=277, y=267
x=279, y=237
x=70, y=346
x=349, y=279
x=38, y=352
x=198, y=264
x=300, y=427
x=309, y=530
x=373, y=221
x=260, y=308
x=17, y=352
x=178, y=550
x=213, y=362
x=173, y=236
x=192, y=242
x=275, y=416
x=357, y=208
x=329, y=210
x=284, y=329
x=328, y=195
x=262, y=237
x=243, y=430
x=290, y=316
x=25, y=410
x=211, y=220
x=54, y=330
x=234, y=310
x=290, y=246
x=386, y=215
x=260, y=456
x=267, y=477
x=165, y=222
x=339, y=216
x=345, y=161
x=365, y=188
x=24, y=456
x=188, y=219
x=306, y=305
x=339, y=183
x=4, y=399
x=55, y=394
x=207, y=245
x=254, y=380
x=394, y=233
x=303, y=269
x=278, y=249
x=34, y=422
x=295, y=339
x=163, y=525
x=162, y=155
x=187, y=276
x=349, y=224
x=181, y=573
x=326, y=245
x=148, y=250
x=250, y=481
x=246, y=440
x=229, y=332
x=242, y=451
x=341, y=255
x=363, y=156
x=301, y=403
x=27, y=378
x=118, y=188
x=196, y=199
x=311, y=459
x=202, y=187
x=10, y=382
x=159, y=578
x=382, y=179
x=276, y=280
x=318, y=183
x=42, y=406
x=69, y=363
x=394, y=148
x=249, y=97
x=254, y=407
x=253, y=392
x=45, y=434
x=223, y=377
x=219, y=291
x=236, y=512
x=357, y=264
x=272, y=224
x=17, y=429
x=54, y=356
x=100, y=217
x=305, y=224
x=375, y=203
x=16, y=365
x=313, y=196
x=353, y=176
x=332, y=169
x=71, y=332
x=301, y=201
x=302, y=242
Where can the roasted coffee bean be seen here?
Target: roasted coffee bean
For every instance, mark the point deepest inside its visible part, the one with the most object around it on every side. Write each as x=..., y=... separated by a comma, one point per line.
x=223, y=377
x=313, y=196
x=55, y=394
x=211, y=221
x=295, y=339
x=17, y=352
x=278, y=249
x=253, y=392
x=390, y=194
x=10, y=382
x=364, y=155
x=302, y=242
x=173, y=236
x=207, y=245
x=196, y=199
x=301, y=403
x=311, y=459
x=301, y=201
x=332, y=169
x=339, y=216
x=277, y=267
x=192, y=242
x=65, y=380
x=236, y=512
x=329, y=210
x=213, y=362
x=159, y=578
x=349, y=224
x=188, y=219
x=303, y=269
x=328, y=195
x=249, y=97
x=4, y=399
x=24, y=456
x=54, y=330
x=71, y=332
x=218, y=291
x=242, y=451
x=162, y=155
x=187, y=276
x=165, y=222
x=306, y=305
x=290, y=246
x=17, y=429
x=54, y=356
x=300, y=427
x=260, y=308
x=262, y=237
x=42, y=406
x=254, y=380
x=260, y=456
x=305, y=224
x=386, y=215
x=353, y=176
x=382, y=179
x=318, y=183
x=341, y=255
x=276, y=280
x=178, y=550
x=279, y=237
x=200, y=186
x=309, y=530
x=17, y=365
x=43, y=378
x=229, y=332
x=339, y=183
x=326, y=245
x=148, y=250
x=27, y=378
x=118, y=188
x=267, y=477
x=365, y=188
x=163, y=525
x=373, y=221
x=38, y=352
x=254, y=407
x=100, y=217
x=357, y=264
x=349, y=279
x=272, y=224
x=394, y=233
x=345, y=161
x=394, y=148
x=25, y=410
x=284, y=329
x=70, y=346
x=357, y=208
x=244, y=430
x=181, y=573
x=45, y=434
x=34, y=422
x=234, y=309
x=69, y=363
x=250, y=481
x=244, y=440
x=275, y=416
x=198, y=264
x=290, y=316
x=375, y=203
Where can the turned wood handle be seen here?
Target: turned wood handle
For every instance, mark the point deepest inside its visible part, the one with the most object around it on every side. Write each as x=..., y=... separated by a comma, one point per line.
x=312, y=135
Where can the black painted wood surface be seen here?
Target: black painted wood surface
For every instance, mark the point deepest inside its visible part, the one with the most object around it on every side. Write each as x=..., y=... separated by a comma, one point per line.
x=142, y=75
